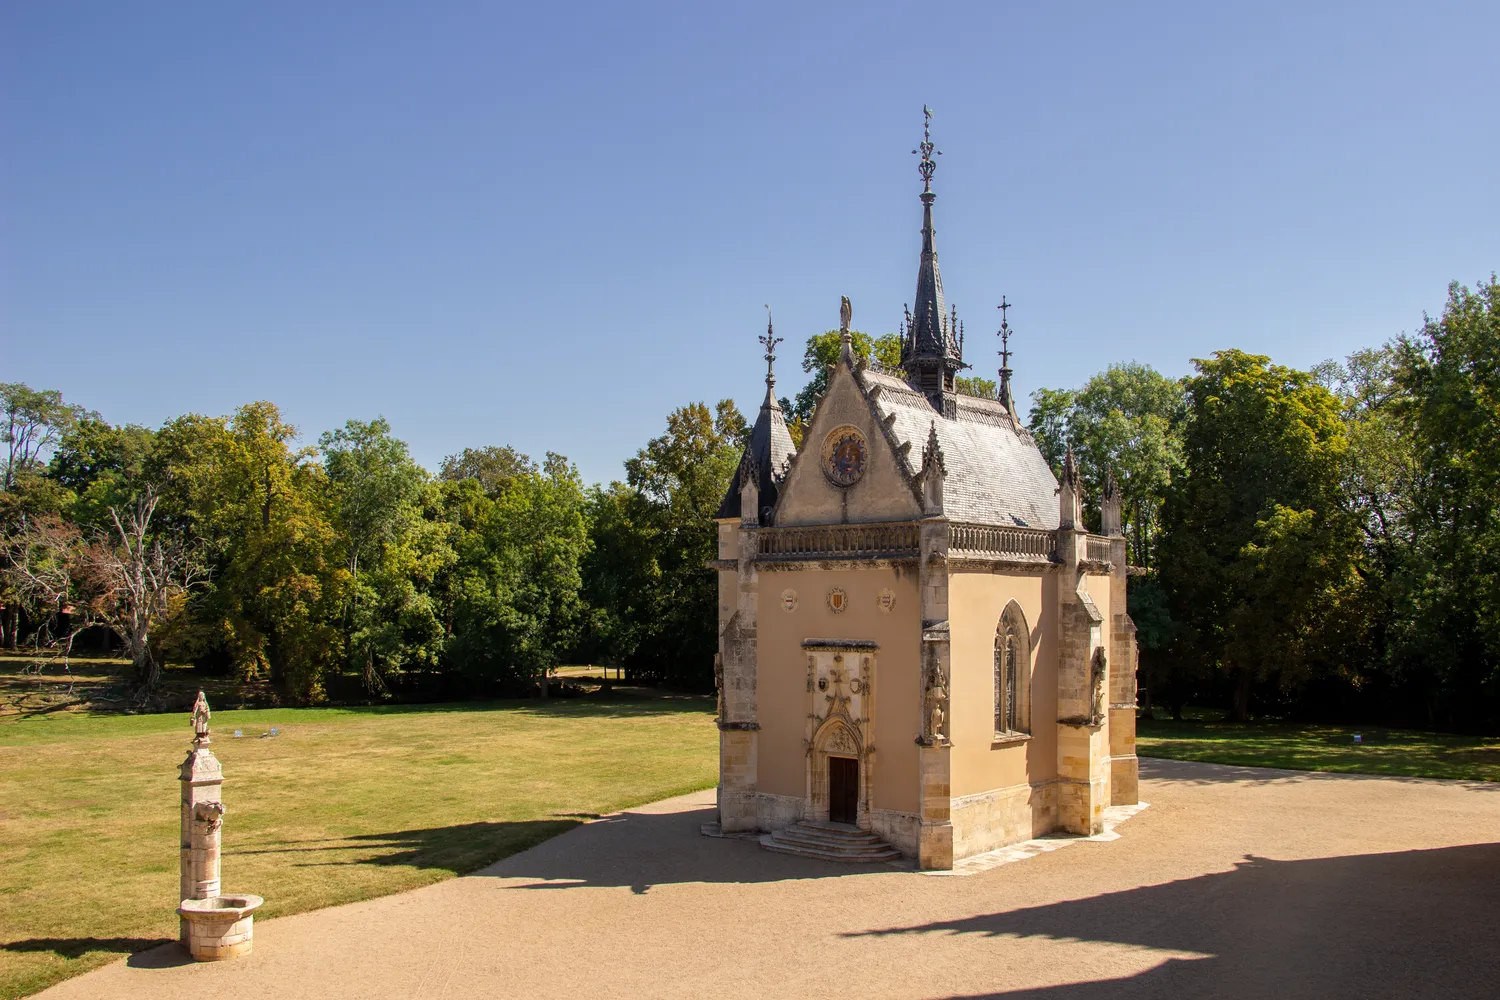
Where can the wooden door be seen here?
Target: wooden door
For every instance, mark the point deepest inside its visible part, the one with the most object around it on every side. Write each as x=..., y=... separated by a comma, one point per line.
x=843, y=789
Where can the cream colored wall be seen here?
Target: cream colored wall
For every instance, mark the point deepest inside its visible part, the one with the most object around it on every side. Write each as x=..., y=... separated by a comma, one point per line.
x=975, y=602
x=883, y=494
x=781, y=681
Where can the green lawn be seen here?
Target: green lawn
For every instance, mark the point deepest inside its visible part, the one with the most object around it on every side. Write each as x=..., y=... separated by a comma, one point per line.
x=1322, y=748
x=343, y=804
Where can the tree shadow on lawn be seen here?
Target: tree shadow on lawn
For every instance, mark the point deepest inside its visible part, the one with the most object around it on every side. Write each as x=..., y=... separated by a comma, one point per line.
x=457, y=849
x=1401, y=924
x=145, y=953
x=80, y=946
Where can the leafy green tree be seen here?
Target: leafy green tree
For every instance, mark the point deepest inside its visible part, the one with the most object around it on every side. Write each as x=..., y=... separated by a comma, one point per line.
x=102, y=465
x=34, y=420
x=655, y=599
x=517, y=606
x=1257, y=547
x=1127, y=419
x=495, y=467
x=375, y=487
x=820, y=357
x=264, y=511
x=1448, y=646
x=973, y=385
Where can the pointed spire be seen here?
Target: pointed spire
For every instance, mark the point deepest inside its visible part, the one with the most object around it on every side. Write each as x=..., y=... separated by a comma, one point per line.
x=769, y=342
x=934, y=472
x=932, y=454
x=930, y=354
x=758, y=478
x=1069, y=495
x=1005, y=352
x=1109, y=504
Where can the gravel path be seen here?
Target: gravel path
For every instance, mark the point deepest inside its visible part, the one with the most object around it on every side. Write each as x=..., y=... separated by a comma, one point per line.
x=1236, y=882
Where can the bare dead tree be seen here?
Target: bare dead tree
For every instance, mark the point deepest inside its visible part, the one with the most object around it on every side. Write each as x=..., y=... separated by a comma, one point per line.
x=43, y=558
x=138, y=581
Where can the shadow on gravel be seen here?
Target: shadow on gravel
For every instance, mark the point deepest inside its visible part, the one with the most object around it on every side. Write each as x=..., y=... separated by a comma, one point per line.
x=644, y=849
x=1404, y=924
x=1194, y=772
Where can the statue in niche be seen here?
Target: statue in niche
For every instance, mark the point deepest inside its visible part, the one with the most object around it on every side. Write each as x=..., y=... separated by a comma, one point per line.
x=719, y=683
x=937, y=695
x=1098, y=669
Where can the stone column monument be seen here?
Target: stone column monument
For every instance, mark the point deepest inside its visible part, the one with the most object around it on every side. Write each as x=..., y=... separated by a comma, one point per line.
x=212, y=926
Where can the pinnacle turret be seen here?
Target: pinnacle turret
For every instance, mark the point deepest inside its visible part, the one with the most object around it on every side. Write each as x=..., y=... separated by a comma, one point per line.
x=930, y=353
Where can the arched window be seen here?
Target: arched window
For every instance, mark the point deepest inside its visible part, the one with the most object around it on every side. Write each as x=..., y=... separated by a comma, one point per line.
x=1012, y=672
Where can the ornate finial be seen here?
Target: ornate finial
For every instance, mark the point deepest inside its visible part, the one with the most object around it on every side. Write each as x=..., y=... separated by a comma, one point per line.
x=932, y=454
x=1004, y=334
x=769, y=341
x=200, y=720
x=928, y=165
x=1111, y=487
x=1070, y=467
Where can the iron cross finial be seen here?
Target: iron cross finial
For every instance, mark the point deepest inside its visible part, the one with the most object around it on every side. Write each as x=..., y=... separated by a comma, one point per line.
x=769, y=342
x=928, y=165
x=1004, y=332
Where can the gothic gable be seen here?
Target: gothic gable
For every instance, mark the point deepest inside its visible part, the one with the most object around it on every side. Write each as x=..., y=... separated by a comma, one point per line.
x=849, y=469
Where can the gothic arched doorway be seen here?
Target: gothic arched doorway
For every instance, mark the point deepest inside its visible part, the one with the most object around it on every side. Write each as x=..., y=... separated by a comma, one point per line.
x=843, y=789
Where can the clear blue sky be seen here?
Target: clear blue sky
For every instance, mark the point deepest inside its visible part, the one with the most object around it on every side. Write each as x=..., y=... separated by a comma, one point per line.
x=548, y=225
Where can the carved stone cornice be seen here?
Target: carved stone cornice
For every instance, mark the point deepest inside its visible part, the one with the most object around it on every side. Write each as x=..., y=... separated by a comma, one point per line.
x=842, y=645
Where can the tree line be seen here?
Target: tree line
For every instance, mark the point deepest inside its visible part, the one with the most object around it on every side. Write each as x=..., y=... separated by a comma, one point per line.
x=1324, y=543
x=1318, y=543
x=344, y=569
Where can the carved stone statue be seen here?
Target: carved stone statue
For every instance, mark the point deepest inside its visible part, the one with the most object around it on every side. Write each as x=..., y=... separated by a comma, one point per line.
x=719, y=682
x=200, y=719
x=846, y=314
x=211, y=813
x=937, y=694
x=1099, y=668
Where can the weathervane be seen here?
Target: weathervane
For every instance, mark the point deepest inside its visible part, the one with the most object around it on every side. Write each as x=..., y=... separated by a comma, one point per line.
x=928, y=165
x=769, y=341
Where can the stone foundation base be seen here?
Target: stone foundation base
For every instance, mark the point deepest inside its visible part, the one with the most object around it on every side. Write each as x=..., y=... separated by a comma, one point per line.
x=1002, y=816
x=1124, y=781
x=221, y=927
x=935, y=846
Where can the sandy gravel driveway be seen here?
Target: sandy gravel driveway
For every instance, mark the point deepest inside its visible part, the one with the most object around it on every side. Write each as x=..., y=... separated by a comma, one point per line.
x=1236, y=882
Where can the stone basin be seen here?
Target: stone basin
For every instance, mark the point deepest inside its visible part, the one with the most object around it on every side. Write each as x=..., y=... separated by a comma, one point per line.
x=219, y=927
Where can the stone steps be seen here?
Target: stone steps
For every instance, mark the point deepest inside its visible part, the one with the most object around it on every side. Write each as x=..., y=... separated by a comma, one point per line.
x=829, y=842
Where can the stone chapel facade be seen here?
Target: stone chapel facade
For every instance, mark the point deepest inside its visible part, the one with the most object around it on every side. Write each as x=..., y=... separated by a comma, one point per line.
x=917, y=635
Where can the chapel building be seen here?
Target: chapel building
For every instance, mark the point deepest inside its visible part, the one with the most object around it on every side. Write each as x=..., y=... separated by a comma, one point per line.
x=918, y=637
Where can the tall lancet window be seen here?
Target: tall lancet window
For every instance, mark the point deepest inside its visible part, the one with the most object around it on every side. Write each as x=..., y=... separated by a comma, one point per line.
x=1012, y=672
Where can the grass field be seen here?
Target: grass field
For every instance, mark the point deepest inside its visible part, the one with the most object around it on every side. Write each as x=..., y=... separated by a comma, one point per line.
x=1322, y=748
x=341, y=805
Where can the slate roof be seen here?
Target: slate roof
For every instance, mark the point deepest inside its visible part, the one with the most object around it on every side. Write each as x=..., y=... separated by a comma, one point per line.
x=996, y=474
x=771, y=444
